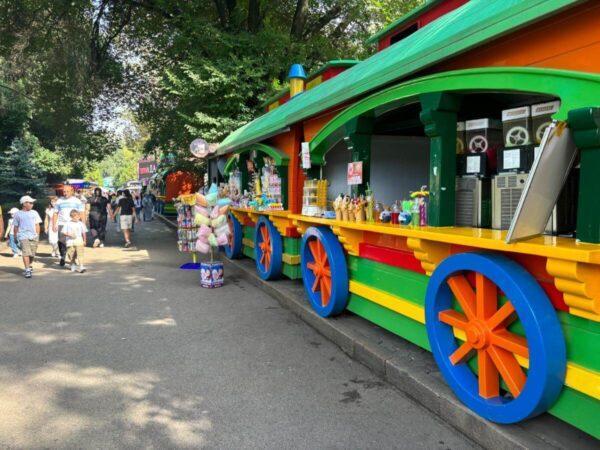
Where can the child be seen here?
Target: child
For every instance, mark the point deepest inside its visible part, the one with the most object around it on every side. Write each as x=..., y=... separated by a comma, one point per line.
x=10, y=234
x=27, y=229
x=75, y=232
x=49, y=229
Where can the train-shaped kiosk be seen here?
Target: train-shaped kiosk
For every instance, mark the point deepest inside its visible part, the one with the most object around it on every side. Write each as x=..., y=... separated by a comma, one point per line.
x=461, y=97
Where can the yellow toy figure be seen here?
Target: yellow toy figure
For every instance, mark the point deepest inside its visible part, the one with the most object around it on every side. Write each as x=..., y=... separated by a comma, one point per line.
x=370, y=204
x=346, y=208
x=359, y=209
x=337, y=207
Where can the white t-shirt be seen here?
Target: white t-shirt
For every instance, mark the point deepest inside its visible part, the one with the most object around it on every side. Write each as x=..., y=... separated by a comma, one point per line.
x=64, y=206
x=75, y=232
x=26, y=221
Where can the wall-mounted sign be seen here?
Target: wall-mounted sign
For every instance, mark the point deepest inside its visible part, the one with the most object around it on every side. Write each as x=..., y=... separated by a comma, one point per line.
x=306, y=156
x=355, y=173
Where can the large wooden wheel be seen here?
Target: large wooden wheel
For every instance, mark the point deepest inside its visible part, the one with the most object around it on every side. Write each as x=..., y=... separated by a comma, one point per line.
x=477, y=297
x=268, y=249
x=233, y=249
x=324, y=271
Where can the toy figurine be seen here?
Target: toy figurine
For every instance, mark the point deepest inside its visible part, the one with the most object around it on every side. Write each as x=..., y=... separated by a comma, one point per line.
x=359, y=209
x=386, y=215
x=337, y=207
x=345, y=208
x=420, y=206
x=351, y=210
x=370, y=203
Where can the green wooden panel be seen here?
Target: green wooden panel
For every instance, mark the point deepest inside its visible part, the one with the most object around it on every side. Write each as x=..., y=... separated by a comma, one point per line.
x=396, y=323
x=393, y=280
x=579, y=410
x=248, y=232
x=293, y=272
x=291, y=246
x=248, y=251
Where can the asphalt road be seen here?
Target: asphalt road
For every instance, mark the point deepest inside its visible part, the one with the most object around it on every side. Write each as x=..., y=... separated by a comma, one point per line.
x=135, y=354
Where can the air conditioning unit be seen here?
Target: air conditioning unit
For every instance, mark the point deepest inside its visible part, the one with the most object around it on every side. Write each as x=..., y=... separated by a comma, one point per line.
x=472, y=202
x=506, y=193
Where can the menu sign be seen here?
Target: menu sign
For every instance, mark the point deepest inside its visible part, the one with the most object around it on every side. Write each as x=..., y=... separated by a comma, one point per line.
x=355, y=173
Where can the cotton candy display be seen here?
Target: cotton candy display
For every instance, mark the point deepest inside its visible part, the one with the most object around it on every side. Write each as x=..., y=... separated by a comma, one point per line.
x=211, y=217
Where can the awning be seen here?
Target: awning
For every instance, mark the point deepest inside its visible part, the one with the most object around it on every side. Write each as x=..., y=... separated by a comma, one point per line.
x=280, y=158
x=471, y=25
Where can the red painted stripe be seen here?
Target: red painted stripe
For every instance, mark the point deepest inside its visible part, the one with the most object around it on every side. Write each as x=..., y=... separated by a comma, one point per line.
x=292, y=232
x=392, y=257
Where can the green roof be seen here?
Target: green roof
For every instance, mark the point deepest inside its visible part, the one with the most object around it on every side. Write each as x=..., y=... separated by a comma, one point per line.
x=469, y=26
x=403, y=20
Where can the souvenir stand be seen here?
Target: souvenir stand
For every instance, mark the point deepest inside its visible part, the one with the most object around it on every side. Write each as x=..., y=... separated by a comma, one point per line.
x=186, y=229
x=445, y=189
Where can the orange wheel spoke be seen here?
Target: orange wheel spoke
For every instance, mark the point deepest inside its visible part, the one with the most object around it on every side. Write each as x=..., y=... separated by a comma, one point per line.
x=462, y=354
x=316, y=284
x=324, y=293
x=501, y=316
x=312, y=246
x=486, y=297
x=489, y=380
x=511, y=342
x=262, y=258
x=453, y=318
x=311, y=266
x=327, y=272
x=509, y=369
x=264, y=233
x=462, y=290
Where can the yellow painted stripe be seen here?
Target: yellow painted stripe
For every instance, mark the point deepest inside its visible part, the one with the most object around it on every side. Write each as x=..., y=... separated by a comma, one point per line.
x=389, y=301
x=273, y=105
x=579, y=378
x=314, y=82
x=291, y=259
x=248, y=242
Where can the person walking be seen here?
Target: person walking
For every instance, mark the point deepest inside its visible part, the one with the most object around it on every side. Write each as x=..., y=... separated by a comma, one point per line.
x=127, y=215
x=27, y=230
x=148, y=206
x=75, y=233
x=99, y=210
x=49, y=229
x=1, y=224
x=116, y=216
x=62, y=215
x=10, y=233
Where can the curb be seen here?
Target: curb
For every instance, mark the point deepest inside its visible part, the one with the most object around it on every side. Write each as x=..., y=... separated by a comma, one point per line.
x=413, y=371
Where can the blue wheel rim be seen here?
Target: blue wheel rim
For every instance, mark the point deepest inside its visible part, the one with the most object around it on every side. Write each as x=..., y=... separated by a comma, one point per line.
x=545, y=341
x=338, y=298
x=271, y=270
x=234, y=249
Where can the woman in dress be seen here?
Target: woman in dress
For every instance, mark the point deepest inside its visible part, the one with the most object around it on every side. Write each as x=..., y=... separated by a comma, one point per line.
x=49, y=229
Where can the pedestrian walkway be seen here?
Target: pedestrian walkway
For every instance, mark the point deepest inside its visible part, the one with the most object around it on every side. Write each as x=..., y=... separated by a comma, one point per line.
x=134, y=353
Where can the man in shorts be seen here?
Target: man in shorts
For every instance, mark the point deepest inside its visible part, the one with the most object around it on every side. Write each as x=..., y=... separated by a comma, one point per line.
x=27, y=230
x=62, y=216
x=127, y=215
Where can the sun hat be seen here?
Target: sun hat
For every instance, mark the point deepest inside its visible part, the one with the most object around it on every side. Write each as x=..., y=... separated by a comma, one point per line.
x=26, y=198
x=13, y=211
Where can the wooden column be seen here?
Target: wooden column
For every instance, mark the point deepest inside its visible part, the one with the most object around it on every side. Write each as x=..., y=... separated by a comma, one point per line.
x=438, y=115
x=585, y=123
x=358, y=138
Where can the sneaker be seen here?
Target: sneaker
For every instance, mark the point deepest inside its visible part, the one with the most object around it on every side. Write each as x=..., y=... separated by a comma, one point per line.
x=27, y=273
x=81, y=269
x=101, y=245
x=73, y=267
x=15, y=255
x=62, y=262
x=96, y=243
x=127, y=244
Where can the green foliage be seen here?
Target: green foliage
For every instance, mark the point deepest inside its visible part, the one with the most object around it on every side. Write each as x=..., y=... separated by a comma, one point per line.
x=18, y=175
x=122, y=165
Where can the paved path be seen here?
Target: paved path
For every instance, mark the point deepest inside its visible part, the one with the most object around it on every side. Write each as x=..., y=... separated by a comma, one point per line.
x=134, y=354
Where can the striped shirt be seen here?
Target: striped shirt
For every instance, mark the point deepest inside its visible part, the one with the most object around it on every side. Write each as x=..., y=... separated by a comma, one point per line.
x=64, y=206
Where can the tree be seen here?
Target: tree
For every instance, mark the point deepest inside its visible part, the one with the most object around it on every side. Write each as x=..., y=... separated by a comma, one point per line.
x=18, y=176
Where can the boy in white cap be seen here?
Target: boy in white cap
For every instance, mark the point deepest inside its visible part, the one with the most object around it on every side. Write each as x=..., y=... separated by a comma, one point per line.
x=27, y=230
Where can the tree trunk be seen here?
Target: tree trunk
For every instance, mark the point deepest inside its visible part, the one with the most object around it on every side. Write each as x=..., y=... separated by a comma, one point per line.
x=299, y=21
x=222, y=12
x=254, y=17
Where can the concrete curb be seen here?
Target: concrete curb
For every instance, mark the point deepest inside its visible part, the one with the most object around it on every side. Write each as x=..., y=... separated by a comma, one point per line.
x=413, y=371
